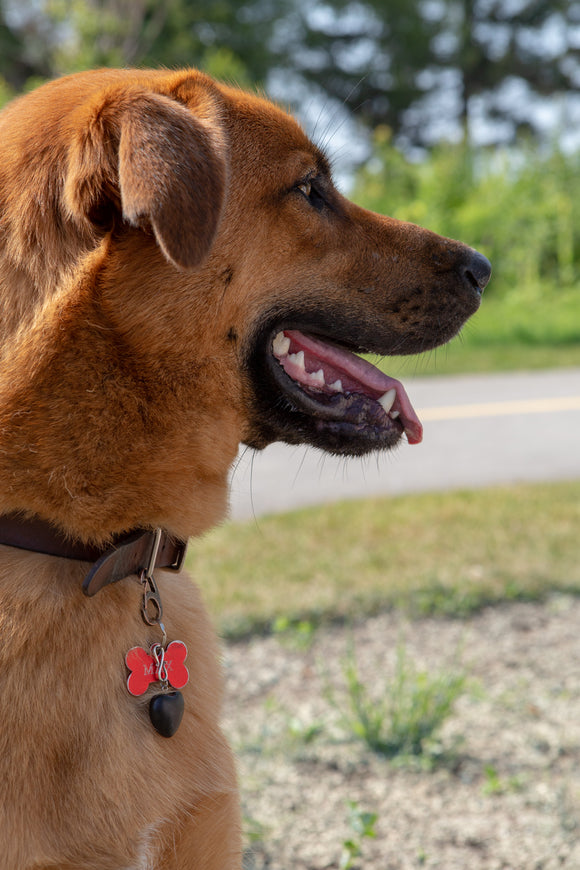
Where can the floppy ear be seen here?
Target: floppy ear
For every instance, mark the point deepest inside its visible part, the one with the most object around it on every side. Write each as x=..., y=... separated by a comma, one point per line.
x=154, y=161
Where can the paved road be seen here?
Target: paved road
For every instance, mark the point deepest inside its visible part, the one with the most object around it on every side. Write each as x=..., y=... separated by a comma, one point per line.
x=478, y=430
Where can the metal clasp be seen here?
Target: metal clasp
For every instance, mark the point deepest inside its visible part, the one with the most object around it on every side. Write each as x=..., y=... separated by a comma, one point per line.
x=157, y=534
x=151, y=607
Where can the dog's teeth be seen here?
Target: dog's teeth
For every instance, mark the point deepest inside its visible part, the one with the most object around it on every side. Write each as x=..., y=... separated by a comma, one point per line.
x=281, y=345
x=297, y=359
x=387, y=400
x=394, y=414
x=336, y=386
x=317, y=378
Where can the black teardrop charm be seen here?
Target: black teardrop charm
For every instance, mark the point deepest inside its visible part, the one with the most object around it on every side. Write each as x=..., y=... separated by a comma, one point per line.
x=166, y=712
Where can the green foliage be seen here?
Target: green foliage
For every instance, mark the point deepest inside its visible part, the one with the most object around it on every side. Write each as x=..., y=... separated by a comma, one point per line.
x=303, y=733
x=362, y=825
x=521, y=209
x=495, y=785
x=410, y=710
x=21, y=55
x=254, y=831
x=227, y=39
x=294, y=633
x=6, y=92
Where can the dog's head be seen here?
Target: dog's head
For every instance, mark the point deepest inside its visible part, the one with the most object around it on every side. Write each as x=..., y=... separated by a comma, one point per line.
x=179, y=273
x=320, y=281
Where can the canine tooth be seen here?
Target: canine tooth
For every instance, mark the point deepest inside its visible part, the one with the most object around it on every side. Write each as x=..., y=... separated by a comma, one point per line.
x=317, y=378
x=387, y=400
x=281, y=344
x=394, y=414
x=336, y=386
x=297, y=359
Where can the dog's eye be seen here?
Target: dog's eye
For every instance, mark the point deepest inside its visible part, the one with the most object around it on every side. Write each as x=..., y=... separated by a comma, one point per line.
x=310, y=191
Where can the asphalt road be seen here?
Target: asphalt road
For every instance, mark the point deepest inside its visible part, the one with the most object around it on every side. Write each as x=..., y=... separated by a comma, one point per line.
x=478, y=430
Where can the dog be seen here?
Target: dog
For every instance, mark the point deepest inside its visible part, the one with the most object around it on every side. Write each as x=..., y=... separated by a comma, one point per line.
x=178, y=275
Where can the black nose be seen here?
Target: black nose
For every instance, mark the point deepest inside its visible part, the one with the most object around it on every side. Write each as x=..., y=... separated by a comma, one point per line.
x=476, y=270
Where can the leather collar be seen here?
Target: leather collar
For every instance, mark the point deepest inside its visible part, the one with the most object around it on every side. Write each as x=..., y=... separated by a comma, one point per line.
x=137, y=551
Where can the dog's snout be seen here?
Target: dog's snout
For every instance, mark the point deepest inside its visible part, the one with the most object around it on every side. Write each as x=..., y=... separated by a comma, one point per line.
x=476, y=270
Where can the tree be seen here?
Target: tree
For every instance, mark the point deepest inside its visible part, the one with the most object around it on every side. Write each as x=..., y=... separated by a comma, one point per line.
x=229, y=39
x=430, y=70
x=367, y=55
x=436, y=69
x=21, y=51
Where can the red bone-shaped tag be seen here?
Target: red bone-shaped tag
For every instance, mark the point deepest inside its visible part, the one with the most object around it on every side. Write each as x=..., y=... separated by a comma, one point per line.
x=144, y=669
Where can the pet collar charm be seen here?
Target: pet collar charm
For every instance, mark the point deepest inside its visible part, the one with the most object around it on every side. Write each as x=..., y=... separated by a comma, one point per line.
x=163, y=664
x=166, y=712
x=146, y=668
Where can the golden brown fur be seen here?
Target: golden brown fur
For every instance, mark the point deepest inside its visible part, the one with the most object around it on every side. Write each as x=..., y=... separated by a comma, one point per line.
x=149, y=226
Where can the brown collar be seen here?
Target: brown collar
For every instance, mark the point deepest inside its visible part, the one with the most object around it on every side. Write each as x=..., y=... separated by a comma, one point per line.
x=137, y=551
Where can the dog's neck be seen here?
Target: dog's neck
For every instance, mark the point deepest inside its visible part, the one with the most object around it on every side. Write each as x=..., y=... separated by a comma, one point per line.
x=132, y=553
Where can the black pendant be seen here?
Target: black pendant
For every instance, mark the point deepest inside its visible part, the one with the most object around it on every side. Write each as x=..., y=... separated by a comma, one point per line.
x=166, y=712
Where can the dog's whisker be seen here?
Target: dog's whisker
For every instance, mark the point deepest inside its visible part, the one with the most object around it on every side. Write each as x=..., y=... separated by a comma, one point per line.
x=253, y=507
x=300, y=465
x=238, y=463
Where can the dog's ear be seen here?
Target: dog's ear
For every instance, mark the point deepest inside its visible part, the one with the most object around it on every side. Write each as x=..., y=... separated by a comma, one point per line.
x=157, y=162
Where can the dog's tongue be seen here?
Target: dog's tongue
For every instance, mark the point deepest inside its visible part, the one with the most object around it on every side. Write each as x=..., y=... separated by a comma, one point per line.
x=345, y=372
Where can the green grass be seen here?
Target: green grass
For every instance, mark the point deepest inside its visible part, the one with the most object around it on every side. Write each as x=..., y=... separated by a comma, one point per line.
x=460, y=358
x=362, y=825
x=408, y=712
x=442, y=553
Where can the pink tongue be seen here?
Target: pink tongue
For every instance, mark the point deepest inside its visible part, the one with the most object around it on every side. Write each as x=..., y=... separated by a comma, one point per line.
x=357, y=375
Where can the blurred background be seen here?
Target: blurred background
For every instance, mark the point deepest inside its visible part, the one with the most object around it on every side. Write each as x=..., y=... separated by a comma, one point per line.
x=431, y=71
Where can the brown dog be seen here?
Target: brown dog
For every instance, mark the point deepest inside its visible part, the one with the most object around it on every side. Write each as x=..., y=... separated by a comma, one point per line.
x=177, y=274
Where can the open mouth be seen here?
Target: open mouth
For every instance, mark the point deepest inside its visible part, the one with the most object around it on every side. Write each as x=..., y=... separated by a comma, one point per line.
x=352, y=407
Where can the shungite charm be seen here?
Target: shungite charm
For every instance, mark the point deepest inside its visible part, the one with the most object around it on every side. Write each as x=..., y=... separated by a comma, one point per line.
x=166, y=712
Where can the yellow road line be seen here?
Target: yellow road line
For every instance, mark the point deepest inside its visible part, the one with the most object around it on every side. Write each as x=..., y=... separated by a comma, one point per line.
x=502, y=409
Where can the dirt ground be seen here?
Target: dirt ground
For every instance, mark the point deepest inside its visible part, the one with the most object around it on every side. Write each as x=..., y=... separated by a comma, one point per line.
x=505, y=790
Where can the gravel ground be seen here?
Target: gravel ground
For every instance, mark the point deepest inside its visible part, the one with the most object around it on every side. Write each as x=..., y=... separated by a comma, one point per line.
x=505, y=792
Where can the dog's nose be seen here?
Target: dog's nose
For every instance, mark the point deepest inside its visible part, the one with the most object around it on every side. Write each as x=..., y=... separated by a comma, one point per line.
x=476, y=270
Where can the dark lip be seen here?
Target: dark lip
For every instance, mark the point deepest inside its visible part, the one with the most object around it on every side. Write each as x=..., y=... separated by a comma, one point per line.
x=349, y=410
x=368, y=333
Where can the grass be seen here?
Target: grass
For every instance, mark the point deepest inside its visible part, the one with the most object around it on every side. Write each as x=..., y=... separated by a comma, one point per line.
x=362, y=825
x=460, y=357
x=438, y=553
x=409, y=711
